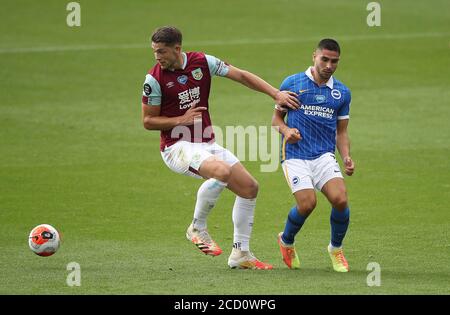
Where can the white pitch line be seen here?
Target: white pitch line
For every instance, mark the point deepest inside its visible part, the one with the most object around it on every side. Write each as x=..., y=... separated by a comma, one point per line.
x=44, y=49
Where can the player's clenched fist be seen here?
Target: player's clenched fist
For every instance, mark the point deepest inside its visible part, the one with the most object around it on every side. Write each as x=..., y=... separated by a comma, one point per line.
x=191, y=115
x=349, y=166
x=292, y=135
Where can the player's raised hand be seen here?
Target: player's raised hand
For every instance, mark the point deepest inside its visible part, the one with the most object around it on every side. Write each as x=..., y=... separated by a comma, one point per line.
x=191, y=115
x=292, y=135
x=349, y=166
x=287, y=99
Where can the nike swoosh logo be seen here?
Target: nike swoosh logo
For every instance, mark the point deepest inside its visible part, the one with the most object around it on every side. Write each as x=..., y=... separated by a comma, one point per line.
x=302, y=91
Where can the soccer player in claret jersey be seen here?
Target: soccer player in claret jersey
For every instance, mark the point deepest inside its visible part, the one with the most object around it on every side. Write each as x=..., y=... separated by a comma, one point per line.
x=175, y=101
x=310, y=136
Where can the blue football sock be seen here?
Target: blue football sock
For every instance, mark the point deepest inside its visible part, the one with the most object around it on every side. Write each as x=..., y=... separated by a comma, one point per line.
x=294, y=223
x=339, y=221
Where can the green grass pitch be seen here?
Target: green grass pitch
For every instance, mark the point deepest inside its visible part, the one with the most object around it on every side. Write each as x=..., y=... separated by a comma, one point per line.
x=74, y=153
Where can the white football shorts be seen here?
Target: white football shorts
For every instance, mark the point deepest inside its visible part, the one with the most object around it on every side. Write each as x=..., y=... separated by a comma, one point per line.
x=185, y=157
x=310, y=174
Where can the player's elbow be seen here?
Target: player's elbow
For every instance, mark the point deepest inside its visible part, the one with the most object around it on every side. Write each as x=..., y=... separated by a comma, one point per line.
x=342, y=139
x=274, y=121
x=147, y=123
x=242, y=76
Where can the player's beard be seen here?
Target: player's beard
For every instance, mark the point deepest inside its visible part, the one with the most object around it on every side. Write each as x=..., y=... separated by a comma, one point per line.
x=165, y=65
x=168, y=64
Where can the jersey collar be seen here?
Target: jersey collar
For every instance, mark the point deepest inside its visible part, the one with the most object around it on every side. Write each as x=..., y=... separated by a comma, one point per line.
x=185, y=60
x=330, y=82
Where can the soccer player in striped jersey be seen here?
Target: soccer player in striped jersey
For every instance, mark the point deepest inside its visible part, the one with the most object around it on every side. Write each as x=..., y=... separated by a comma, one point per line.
x=175, y=101
x=310, y=136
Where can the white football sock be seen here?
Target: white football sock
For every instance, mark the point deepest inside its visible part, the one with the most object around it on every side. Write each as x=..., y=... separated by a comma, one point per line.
x=243, y=213
x=207, y=196
x=331, y=248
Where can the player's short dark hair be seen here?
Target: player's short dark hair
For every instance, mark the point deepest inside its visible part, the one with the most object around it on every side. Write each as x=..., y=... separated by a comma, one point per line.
x=168, y=35
x=329, y=44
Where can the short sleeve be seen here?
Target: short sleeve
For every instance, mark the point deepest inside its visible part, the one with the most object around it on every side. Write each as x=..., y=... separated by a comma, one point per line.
x=151, y=91
x=286, y=85
x=344, y=111
x=217, y=66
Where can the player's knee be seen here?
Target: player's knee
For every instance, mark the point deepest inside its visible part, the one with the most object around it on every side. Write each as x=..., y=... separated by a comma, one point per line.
x=222, y=172
x=340, y=202
x=306, y=206
x=252, y=189
x=247, y=188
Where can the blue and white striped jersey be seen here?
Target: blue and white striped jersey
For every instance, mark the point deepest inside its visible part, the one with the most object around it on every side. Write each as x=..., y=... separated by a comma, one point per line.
x=316, y=119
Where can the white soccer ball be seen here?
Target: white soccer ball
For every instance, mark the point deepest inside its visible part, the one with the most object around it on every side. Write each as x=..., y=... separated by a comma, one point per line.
x=44, y=240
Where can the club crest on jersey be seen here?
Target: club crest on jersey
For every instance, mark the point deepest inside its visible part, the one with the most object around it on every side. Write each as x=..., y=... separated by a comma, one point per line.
x=182, y=79
x=320, y=98
x=336, y=94
x=295, y=180
x=197, y=74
